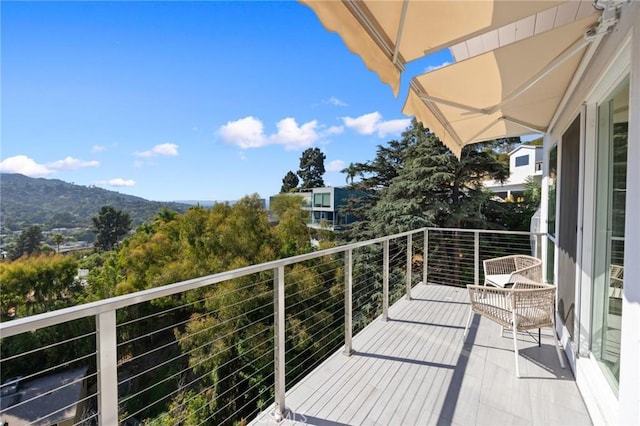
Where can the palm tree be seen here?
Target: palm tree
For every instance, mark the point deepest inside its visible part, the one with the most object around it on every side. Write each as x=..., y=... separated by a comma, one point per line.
x=351, y=172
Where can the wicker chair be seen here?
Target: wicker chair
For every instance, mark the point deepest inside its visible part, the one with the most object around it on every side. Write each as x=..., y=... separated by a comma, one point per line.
x=528, y=305
x=501, y=270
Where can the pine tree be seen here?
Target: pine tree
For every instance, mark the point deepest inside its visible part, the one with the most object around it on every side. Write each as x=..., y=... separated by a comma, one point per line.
x=289, y=182
x=109, y=226
x=312, y=168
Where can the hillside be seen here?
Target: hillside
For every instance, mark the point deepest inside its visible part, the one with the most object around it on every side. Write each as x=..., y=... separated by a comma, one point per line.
x=52, y=203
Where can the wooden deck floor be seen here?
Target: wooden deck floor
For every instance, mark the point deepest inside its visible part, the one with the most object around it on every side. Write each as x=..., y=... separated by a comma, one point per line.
x=415, y=370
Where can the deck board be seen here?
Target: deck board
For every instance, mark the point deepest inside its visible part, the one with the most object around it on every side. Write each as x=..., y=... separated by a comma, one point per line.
x=415, y=370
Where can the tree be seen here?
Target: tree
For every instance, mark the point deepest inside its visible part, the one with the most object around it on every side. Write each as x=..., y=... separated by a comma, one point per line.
x=289, y=182
x=109, y=226
x=532, y=192
x=351, y=171
x=434, y=188
x=417, y=181
x=292, y=230
x=58, y=239
x=312, y=168
x=28, y=242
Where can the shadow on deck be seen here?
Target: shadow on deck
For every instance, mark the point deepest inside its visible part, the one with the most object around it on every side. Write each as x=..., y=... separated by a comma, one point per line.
x=415, y=370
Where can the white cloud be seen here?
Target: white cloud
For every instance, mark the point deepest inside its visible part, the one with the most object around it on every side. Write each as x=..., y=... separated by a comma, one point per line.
x=365, y=124
x=335, y=166
x=293, y=136
x=71, y=163
x=165, y=149
x=247, y=132
x=435, y=67
x=121, y=182
x=337, y=102
x=24, y=165
x=334, y=130
x=371, y=123
x=29, y=167
x=393, y=127
x=98, y=148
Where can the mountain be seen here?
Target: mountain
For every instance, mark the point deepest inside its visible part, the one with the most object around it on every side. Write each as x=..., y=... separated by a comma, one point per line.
x=52, y=203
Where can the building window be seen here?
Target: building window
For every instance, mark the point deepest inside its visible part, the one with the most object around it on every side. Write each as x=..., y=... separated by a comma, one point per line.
x=322, y=199
x=523, y=160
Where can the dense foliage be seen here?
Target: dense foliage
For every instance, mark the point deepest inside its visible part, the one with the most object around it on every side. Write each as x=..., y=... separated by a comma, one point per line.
x=417, y=181
x=220, y=337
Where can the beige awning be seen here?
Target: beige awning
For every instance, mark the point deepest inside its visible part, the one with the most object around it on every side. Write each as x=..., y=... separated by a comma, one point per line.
x=388, y=34
x=509, y=91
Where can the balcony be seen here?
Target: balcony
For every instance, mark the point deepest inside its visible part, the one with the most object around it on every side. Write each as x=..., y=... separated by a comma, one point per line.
x=413, y=369
x=347, y=335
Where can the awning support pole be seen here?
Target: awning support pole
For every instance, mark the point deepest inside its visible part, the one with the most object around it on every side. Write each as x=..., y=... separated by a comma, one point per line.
x=355, y=8
x=524, y=124
x=396, y=49
x=428, y=98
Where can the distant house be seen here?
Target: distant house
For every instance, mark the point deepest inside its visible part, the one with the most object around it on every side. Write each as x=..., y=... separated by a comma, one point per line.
x=325, y=205
x=524, y=161
x=59, y=399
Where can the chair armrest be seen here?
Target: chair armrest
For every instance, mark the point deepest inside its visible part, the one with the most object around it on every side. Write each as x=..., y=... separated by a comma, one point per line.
x=532, y=273
x=499, y=265
x=493, y=303
x=479, y=294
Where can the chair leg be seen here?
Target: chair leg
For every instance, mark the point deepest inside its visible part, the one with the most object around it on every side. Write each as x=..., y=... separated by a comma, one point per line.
x=539, y=338
x=466, y=328
x=515, y=351
x=558, y=344
x=515, y=344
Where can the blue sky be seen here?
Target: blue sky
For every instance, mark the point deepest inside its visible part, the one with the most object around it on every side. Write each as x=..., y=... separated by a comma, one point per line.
x=185, y=100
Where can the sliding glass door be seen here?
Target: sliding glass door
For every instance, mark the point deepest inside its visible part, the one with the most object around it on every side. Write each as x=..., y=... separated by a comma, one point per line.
x=613, y=119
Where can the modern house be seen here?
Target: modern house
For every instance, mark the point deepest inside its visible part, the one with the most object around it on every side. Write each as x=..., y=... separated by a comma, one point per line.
x=567, y=69
x=525, y=162
x=325, y=205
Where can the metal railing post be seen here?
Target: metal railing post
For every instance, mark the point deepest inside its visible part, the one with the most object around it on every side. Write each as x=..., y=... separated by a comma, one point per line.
x=348, y=301
x=538, y=246
x=425, y=257
x=107, y=368
x=385, y=280
x=279, y=343
x=476, y=257
x=409, y=264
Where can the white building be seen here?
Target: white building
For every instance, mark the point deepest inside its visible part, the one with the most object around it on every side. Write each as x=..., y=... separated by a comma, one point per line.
x=525, y=161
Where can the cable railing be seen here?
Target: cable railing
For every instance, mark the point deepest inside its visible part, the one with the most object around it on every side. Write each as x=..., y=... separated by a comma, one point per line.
x=222, y=348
